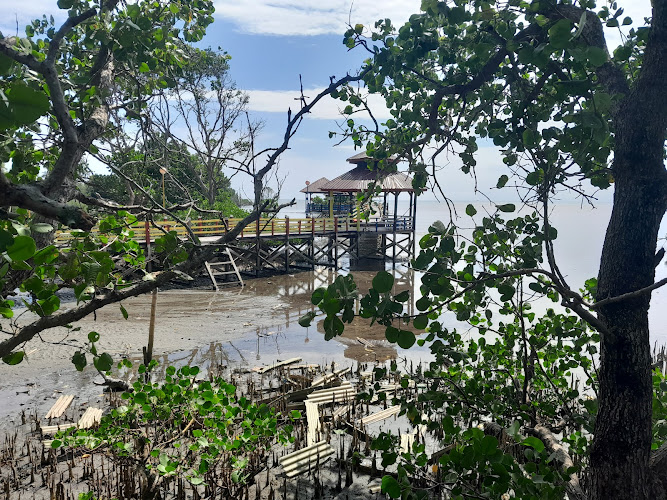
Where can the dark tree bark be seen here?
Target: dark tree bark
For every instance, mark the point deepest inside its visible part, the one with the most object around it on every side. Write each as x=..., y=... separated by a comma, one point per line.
x=623, y=433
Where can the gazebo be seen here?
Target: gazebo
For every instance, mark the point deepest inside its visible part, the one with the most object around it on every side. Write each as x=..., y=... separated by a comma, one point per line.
x=360, y=178
x=386, y=223
x=313, y=188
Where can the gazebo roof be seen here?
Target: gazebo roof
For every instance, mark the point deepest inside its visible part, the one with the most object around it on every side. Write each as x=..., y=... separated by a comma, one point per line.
x=364, y=158
x=315, y=187
x=359, y=178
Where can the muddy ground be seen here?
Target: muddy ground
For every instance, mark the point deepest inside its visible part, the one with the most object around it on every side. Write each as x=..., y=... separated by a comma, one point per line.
x=255, y=324
x=238, y=328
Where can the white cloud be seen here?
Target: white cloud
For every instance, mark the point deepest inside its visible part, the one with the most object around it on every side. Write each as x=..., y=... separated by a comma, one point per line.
x=312, y=17
x=22, y=13
x=278, y=101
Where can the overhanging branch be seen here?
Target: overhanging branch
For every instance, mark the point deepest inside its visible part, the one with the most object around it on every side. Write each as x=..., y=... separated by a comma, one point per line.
x=31, y=198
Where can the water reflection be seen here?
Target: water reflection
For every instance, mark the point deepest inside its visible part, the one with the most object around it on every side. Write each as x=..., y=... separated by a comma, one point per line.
x=283, y=337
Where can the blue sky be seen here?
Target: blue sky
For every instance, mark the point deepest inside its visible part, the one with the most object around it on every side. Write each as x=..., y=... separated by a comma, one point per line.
x=272, y=42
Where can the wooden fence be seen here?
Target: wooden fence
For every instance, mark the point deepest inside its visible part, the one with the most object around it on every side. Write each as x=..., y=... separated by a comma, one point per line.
x=265, y=227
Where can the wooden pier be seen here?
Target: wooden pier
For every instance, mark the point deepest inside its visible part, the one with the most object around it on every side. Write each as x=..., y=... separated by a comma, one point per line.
x=280, y=244
x=285, y=244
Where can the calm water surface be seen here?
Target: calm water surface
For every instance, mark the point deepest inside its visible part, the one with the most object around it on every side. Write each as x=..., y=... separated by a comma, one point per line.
x=581, y=232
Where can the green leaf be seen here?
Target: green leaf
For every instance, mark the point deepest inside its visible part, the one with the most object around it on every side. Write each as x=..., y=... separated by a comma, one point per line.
x=79, y=360
x=93, y=337
x=406, y=339
x=470, y=210
x=22, y=106
x=534, y=443
x=596, y=56
x=533, y=178
x=559, y=34
x=420, y=322
x=333, y=326
x=383, y=282
x=6, y=239
x=143, y=68
x=104, y=362
x=318, y=296
x=489, y=445
x=391, y=333
x=46, y=255
x=307, y=318
x=22, y=249
x=508, y=207
x=13, y=358
x=502, y=181
x=123, y=311
x=391, y=487
x=529, y=137
x=6, y=64
x=49, y=305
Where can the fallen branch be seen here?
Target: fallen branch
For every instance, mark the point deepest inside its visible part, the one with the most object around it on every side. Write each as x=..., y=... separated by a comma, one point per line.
x=561, y=457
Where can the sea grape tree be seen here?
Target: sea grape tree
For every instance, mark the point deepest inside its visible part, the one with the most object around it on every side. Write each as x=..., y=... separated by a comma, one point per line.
x=568, y=111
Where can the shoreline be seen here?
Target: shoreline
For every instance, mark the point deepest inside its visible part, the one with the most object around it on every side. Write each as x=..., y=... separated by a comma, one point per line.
x=186, y=320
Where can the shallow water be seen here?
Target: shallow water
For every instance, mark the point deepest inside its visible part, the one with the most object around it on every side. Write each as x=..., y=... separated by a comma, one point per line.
x=282, y=337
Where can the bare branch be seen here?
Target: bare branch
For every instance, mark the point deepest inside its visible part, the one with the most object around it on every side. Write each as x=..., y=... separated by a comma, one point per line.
x=629, y=295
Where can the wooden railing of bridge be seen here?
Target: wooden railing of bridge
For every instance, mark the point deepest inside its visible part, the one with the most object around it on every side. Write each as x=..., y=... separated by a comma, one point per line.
x=266, y=227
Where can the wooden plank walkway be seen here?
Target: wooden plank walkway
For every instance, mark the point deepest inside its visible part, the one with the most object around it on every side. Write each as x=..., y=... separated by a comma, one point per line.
x=211, y=229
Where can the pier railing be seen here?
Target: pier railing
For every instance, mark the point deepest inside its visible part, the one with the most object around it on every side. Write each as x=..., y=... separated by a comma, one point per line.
x=347, y=208
x=266, y=227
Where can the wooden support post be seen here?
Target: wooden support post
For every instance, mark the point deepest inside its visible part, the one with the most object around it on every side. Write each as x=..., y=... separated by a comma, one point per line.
x=335, y=240
x=331, y=203
x=147, y=237
x=358, y=210
x=312, y=226
x=414, y=226
x=311, y=249
x=286, y=244
x=299, y=226
x=393, y=260
x=257, y=249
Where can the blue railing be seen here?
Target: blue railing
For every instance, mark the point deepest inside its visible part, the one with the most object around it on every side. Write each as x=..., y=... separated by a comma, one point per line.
x=338, y=208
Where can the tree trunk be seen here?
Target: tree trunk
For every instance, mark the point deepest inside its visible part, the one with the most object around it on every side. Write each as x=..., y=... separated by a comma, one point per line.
x=622, y=442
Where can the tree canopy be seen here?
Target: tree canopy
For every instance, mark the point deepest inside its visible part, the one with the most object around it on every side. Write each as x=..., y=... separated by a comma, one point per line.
x=568, y=111
x=89, y=88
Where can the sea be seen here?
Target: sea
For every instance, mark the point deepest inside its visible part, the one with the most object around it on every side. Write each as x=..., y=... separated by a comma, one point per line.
x=578, y=247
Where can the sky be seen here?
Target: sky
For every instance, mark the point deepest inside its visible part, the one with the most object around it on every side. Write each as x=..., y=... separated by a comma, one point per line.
x=274, y=42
